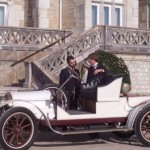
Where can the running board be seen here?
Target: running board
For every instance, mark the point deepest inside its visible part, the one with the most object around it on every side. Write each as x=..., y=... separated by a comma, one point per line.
x=93, y=131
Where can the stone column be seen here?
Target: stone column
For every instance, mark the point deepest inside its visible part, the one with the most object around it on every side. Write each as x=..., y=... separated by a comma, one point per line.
x=28, y=75
x=144, y=13
x=41, y=13
x=88, y=13
x=132, y=12
x=10, y=14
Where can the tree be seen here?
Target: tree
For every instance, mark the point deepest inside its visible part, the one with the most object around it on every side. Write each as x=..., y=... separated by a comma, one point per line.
x=114, y=64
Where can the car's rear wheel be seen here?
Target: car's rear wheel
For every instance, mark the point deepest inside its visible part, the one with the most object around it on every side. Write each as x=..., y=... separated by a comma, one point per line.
x=142, y=126
x=18, y=129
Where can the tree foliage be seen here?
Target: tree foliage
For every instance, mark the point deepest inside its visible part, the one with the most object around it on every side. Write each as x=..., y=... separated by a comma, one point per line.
x=114, y=64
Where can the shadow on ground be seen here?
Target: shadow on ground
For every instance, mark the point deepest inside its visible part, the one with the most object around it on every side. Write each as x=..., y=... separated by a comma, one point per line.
x=50, y=139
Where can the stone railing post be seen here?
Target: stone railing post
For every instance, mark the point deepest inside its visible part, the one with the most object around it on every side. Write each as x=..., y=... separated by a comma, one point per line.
x=105, y=37
x=28, y=74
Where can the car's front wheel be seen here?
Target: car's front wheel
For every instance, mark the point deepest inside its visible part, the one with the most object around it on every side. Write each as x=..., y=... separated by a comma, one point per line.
x=18, y=128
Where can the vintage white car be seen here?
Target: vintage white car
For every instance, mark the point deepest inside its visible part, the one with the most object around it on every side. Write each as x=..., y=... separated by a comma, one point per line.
x=104, y=109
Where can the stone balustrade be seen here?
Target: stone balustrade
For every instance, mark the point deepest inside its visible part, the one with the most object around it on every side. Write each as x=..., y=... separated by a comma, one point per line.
x=120, y=40
x=13, y=38
x=77, y=47
x=127, y=40
x=115, y=39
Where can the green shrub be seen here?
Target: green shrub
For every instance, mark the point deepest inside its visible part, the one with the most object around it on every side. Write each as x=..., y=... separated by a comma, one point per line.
x=114, y=64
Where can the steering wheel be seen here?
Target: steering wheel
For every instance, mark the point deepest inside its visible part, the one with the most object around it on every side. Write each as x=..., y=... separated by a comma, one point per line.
x=58, y=95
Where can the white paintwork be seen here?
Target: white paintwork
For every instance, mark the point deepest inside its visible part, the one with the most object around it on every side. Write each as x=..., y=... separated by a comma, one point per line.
x=110, y=92
x=31, y=99
x=109, y=104
x=31, y=95
x=45, y=106
x=105, y=109
x=133, y=101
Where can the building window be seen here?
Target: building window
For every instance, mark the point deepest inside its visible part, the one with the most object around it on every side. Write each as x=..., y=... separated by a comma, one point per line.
x=108, y=11
x=118, y=15
x=95, y=14
x=3, y=15
x=107, y=15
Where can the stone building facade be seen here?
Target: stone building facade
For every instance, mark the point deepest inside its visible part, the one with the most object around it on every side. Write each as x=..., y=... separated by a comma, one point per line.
x=139, y=68
x=81, y=13
x=144, y=14
x=75, y=15
x=79, y=16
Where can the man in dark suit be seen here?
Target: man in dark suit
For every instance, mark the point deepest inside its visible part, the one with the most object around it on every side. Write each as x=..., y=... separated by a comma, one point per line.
x=72, y=86
x=95, y=68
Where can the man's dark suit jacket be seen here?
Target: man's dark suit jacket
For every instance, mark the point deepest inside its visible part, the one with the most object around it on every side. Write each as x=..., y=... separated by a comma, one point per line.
x=91, y=72
x=72, y=83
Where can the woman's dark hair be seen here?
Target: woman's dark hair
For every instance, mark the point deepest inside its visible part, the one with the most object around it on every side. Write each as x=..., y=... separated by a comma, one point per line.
x=94, y=56
x=69, y=58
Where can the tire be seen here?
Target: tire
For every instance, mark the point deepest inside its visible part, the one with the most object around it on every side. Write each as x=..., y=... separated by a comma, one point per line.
x=18, y=129
x=142, y=126
x=123, y=134
x=59, y=95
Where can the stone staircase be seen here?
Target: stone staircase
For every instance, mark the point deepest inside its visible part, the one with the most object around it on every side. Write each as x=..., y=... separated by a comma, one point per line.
x=46, y=70
x=17, y=43
x=109, y=38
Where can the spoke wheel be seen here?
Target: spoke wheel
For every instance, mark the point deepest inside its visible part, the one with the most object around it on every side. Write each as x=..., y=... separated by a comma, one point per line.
x=142, y=126
x=17, y=129
x=59, y=95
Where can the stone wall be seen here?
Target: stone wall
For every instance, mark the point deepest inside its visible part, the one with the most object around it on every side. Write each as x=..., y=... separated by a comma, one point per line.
x=73, y=15
x=68, y=20
x=42, y=15
x=10, y=75
x=31, y=13
x=132, y=13
x=54, y=14
x=144, y=14
x=17, y=13
x=139, y=67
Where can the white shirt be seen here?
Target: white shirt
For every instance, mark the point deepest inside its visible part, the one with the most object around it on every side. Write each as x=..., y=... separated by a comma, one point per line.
x=95, y=65
x=84, y=77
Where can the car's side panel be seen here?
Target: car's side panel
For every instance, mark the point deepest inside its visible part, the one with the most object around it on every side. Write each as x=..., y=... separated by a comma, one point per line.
x=103, y=110
x=45, y=106
x=38, y=108
x=110, y=92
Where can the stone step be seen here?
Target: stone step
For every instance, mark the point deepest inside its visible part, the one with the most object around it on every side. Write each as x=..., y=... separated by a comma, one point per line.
x=5, y=89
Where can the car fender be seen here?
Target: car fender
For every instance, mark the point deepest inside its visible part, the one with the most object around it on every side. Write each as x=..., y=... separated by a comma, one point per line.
x=11, y=103
x=134, y=112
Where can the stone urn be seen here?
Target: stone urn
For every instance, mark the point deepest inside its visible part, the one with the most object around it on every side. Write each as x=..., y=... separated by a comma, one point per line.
x=126, y=87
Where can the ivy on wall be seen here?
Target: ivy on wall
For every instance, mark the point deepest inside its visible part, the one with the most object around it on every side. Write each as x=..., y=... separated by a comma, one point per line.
x=114, y=64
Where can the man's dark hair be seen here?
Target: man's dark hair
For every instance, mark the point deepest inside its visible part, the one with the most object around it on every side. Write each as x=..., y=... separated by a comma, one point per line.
x=69, y=58
x=93, y=56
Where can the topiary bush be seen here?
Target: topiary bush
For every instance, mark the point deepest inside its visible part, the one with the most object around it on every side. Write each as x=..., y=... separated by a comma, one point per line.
x=114, y=64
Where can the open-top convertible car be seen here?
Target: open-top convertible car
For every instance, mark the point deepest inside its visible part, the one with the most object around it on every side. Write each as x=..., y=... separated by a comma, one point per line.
x=103, y=109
